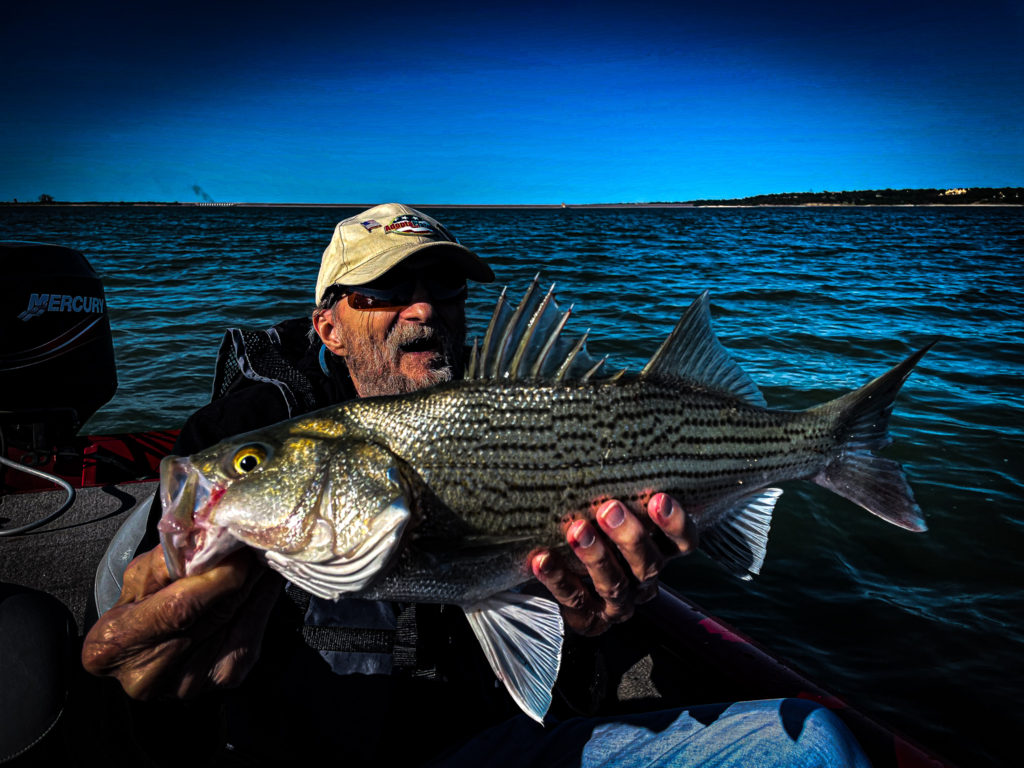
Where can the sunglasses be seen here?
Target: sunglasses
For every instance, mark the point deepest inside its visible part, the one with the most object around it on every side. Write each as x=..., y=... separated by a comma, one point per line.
x=393, y=293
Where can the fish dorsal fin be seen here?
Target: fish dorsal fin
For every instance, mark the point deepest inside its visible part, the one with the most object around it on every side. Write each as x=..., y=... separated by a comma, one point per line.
x=521, y=636
x=694, y=354
x=739, y=539
x=526, y=342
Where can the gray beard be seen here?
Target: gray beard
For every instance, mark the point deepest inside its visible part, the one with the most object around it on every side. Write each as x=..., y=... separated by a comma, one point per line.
x=376, y=367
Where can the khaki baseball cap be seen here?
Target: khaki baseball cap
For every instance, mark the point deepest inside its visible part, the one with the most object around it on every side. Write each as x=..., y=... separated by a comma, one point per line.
x=367, y=245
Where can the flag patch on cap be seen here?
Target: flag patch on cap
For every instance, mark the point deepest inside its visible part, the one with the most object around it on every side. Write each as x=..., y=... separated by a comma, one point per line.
x=370, y=224
x=408, y=224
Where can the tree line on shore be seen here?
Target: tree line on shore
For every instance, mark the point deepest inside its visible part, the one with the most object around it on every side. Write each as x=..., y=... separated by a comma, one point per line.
x=963, y=196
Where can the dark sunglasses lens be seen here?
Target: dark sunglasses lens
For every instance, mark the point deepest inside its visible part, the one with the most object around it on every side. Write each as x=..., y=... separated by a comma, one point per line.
x=367, y=301
x=380, y=296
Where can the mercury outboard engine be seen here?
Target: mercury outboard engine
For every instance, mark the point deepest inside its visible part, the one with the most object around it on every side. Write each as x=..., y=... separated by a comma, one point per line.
x=56, y=351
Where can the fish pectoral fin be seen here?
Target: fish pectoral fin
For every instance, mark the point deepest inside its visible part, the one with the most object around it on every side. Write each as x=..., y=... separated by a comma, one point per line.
x=521, y=636
x=357, y=568
x=739, y=541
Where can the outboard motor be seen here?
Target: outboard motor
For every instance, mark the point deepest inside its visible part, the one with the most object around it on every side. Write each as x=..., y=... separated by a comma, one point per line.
x=56, y=351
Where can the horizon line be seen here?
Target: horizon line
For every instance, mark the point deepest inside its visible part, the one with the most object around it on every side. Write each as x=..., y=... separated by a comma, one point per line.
x=951, y=193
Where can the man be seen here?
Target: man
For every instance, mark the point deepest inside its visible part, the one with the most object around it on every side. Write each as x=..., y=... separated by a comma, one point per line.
x=370, y=680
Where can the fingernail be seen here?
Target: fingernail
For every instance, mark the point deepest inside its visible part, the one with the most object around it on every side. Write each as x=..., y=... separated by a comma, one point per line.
x=541, y=563
x=582, y=535
x=663, y=507
x=613, y=515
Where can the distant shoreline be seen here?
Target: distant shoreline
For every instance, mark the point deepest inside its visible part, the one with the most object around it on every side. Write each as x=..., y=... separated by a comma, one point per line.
x=871, y=198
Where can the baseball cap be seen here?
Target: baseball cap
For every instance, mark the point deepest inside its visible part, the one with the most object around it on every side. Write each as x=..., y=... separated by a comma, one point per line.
x=367, y=245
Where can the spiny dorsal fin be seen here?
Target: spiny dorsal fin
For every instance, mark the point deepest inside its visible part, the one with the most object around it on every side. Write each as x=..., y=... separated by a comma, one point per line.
x=527, y=343
x=694, y=354
x=498, y=319
x=553, y=336
x=525, y=346
x=510, y=335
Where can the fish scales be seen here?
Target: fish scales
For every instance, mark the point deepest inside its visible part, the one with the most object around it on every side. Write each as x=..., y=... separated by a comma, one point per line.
x=524, y=456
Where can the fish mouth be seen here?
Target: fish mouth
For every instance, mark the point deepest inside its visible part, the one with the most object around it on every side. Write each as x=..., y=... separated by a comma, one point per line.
x=192, y=543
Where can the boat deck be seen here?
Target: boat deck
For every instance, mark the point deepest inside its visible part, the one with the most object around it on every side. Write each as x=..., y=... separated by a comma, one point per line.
x=61, y=557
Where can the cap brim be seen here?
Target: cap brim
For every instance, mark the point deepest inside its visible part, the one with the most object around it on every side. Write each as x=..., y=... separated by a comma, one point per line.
x=438, y=252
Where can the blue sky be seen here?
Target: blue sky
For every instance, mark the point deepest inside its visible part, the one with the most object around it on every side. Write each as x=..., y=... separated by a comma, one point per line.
x=506, y=102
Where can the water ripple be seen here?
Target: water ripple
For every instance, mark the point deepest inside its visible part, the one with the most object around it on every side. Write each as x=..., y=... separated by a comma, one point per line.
x=812, y=302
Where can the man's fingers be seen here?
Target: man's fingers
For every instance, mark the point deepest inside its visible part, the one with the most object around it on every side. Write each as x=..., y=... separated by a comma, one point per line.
x=564, y=585
x=611, y=583
x=633, y=541
x=668, y=515
x=581, y=609
x=149, y=634
x=209, y=597
x=143, y=676
x=224, y=658
x=621, y=559
x=144, y=575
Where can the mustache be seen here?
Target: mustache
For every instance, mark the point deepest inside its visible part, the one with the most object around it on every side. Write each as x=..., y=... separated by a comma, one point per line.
x=403, y=335
x=447, y=342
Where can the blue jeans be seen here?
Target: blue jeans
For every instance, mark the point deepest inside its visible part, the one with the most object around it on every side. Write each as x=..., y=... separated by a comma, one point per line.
x=761, y=734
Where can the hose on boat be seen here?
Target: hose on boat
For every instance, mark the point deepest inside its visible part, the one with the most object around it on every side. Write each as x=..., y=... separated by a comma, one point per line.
x=53, y=515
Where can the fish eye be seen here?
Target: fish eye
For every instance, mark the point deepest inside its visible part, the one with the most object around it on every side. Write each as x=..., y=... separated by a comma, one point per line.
x=248, y=458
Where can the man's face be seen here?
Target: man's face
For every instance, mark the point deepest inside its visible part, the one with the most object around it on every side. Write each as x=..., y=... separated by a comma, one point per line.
x=403, y=350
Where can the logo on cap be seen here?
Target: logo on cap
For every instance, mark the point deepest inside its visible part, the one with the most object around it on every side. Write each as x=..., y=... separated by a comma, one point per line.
x=409, y=224
x=370, y=224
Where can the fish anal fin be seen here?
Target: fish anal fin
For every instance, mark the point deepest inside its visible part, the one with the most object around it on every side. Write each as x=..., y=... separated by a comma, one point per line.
x=693, y=353
x=521, y=636
x=739, y=539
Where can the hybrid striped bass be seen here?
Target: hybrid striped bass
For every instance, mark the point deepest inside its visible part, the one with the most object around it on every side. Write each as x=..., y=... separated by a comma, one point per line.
x=441, y=495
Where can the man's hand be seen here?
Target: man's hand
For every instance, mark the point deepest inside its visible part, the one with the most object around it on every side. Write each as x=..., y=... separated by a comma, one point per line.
x=176, y=638
x=621, y=559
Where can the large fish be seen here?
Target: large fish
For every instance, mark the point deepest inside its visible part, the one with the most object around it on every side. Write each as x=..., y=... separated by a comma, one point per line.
x=441, y=495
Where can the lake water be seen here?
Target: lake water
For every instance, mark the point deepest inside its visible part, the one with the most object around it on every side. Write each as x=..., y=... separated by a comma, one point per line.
x=922, y=631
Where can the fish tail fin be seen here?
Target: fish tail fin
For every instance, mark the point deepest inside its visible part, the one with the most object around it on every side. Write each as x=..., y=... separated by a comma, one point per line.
x=856, y=473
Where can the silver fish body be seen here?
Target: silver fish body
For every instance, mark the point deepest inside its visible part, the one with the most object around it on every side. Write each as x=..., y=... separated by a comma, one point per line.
x=441, y=495
x=512, y=462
